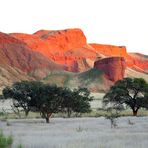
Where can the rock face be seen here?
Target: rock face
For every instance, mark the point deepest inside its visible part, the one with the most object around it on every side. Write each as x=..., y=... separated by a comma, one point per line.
x=67, y=47
x=63, y=39
x=110, y=50
x=15, y=53
x=63, y=50
x=113, y=67
x=134, y=61
x=140, y=61
x=53, y=42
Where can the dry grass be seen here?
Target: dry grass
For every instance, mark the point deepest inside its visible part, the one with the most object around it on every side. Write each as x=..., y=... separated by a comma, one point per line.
x=78, y=132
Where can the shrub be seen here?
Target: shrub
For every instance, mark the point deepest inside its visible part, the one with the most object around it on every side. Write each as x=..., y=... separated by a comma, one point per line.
x=112, y=115
x=5, y=142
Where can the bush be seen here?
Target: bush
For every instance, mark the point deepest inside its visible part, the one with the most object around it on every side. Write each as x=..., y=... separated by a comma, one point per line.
x=5, y=142
x=112, y=115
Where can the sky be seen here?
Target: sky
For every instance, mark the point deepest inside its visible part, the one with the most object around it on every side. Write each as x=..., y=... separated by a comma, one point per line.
x=116, y=22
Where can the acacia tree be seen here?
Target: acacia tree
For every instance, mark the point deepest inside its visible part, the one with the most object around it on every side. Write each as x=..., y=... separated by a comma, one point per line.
x=82, y=100
x=77, y=101
x=129, y=91
x=23, y=94
x=67, y=104
x=49, y=100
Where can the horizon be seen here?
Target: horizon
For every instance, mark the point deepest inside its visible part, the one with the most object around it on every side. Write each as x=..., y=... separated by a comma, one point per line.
x=111, y=22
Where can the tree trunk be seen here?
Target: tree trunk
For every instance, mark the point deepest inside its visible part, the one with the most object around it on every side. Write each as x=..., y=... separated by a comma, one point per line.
x=134, y=113
x=26, y=113
x=69, y=112
x=49, y=115
x=47, y=119
x=69, y=115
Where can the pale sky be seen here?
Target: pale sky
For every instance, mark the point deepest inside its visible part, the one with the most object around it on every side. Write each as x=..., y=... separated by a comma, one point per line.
x=116, y=22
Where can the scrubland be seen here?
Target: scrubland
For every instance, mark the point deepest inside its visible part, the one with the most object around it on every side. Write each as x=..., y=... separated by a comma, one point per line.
x=78, y=132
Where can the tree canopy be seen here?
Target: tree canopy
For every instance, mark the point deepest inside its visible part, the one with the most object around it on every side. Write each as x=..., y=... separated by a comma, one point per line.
x=47, y=99
x=130, y=91
x=23, y=94
x=76, y=101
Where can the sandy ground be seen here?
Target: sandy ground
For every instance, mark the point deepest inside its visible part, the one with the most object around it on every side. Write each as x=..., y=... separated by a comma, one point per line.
x=78, y=133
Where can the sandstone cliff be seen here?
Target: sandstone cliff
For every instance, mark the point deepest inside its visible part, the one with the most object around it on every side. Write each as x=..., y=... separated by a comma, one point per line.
x=16, y=54
x=113, y=67
x=138, y=62
x=68, y=47
x=41, y=54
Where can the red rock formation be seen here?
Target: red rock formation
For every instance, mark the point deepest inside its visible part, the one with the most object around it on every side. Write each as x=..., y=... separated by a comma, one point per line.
x=53, y=42
x=113, y=67
x=137, y=62
x=140, y=62
x=110, y=50
x=46, y=51
x=15, y=53
x=63, y=39
x=68, y=47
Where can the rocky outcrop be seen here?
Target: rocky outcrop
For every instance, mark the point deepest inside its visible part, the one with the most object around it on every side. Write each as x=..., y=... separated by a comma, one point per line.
x=135, y=61
x=110, y=50
x=63, y=39
x=140, y=62
x=15, y=53
x=113, y=67
x=53, y=42
x=64, y=50
x=68, y=47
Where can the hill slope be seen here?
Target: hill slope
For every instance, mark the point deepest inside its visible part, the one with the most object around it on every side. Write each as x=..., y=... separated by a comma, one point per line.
x=64, y=57
x=15, y=54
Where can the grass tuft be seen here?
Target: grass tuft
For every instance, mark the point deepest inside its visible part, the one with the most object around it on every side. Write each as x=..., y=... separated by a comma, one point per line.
x=5, y=142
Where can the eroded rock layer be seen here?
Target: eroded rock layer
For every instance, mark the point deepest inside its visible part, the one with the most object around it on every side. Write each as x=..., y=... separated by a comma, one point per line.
x=39, y=54
x=15, y=53
x=113, y=67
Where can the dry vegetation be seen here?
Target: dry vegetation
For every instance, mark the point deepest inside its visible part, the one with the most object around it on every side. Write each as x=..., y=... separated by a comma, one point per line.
x=78, y=132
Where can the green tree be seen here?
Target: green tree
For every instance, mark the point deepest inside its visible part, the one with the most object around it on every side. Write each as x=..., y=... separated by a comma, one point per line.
x=23, y=94
x=77, y=101
x=49, y=100
x=35, y=96
x=129, y=91
x=82, y=100
x=68, y=101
